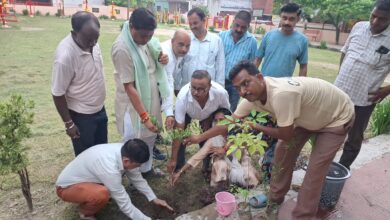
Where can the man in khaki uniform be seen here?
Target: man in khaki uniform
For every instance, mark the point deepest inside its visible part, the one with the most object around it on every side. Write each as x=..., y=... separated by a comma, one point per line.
x=303, y=107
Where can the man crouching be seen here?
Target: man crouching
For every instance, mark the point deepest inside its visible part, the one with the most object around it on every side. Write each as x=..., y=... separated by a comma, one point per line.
x=96, y=174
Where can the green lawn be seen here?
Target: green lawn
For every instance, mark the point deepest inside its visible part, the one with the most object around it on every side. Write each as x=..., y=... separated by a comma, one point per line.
x=26, y=57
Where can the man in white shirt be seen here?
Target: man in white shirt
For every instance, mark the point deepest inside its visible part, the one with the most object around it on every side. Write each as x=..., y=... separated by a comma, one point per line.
x=206, y=52
x=96, y=175
x=78, y=87
x=198, y=100
x=176, y=49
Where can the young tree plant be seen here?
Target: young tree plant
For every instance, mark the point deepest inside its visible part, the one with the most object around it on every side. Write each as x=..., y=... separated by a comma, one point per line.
x=244, y=137
x=15, y=117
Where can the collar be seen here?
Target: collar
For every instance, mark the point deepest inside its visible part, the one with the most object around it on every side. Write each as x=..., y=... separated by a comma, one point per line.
x=76, y=47
x=207, y=38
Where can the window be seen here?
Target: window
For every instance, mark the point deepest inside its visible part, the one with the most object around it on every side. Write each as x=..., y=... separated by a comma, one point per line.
x=117, y=11
x=95, y=10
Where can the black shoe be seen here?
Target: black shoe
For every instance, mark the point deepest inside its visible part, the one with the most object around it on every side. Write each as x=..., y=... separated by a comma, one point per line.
x=157, y=155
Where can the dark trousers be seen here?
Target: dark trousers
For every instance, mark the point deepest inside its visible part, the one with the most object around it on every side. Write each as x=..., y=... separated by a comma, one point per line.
x=181, y=154
x=355, y=135
x=234, y=97
x=92, y=128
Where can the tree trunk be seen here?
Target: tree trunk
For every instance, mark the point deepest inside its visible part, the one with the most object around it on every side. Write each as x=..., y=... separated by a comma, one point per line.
x=25, y=183
x=337, y=34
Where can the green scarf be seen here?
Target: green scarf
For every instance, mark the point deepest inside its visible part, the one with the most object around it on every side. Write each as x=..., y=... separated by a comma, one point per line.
x=141, y=72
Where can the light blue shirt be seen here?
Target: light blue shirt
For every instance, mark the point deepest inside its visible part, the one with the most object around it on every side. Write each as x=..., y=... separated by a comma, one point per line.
x=204, y=55
x=280, y=53
x=244, y=49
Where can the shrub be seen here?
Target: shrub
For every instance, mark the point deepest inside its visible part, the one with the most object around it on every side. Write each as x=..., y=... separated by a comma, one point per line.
x=25, y=12
x=182, y=20
x=15, y=117
x=323, y=45
x=212, y=29
x=260, y=30
x=171, y=21
x=47, y=14
x=380, y=119
x=38, y=13
x=103, y=17
x=58, y=14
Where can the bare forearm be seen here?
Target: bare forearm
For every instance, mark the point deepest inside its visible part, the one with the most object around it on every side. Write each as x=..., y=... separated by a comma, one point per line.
x=285, y=133
x=62, y=107
x=134, y=97
x=214, y=131
x=303, y=70
x=175, y=149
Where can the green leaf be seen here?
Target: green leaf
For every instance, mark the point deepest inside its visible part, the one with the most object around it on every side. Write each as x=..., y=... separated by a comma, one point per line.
x=224, y=122
x=230, y=127
x=253, y=113
x=238, y=154
x=251, y=150
x=231, y=149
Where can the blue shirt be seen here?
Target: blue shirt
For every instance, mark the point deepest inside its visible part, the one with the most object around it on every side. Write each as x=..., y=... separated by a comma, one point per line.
x=280, y=52
x=244, y=49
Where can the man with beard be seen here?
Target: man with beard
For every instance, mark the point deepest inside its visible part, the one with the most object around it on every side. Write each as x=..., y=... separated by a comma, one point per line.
x=282, y=47
x=239, y=45
x=206, y=52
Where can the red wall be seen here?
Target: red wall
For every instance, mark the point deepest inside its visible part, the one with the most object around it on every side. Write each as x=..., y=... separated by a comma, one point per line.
x=263, y=4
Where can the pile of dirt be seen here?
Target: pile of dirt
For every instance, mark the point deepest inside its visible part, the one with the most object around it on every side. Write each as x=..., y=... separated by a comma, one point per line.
x=191, y=193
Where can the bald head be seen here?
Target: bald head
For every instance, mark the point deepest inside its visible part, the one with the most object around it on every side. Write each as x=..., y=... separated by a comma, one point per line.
x=181, y=43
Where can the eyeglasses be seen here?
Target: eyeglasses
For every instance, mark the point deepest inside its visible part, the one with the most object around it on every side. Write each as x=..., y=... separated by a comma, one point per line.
x=198, y=90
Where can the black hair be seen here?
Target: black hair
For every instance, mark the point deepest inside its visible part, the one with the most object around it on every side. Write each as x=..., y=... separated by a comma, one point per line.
x=80, y=18
x=225, y=111
x=197, y=11
x=142, y=19
x=200, y=74
x=244, y=15
x=383, y=5
x=245, y=64
x=291, y=8
x=136, y=150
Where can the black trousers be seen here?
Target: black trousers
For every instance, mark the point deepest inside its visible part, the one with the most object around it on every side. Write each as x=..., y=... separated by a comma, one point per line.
x=181, y=154
x=92, y=127
x=355, y=135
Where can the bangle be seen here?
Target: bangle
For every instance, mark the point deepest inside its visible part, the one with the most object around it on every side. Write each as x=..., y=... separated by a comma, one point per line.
x=143, y=120
x=67, y=122
x=70, y=127
x=144, y=115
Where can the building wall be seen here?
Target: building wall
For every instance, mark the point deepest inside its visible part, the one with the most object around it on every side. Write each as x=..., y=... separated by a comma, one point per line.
x=266, y=5
x=224, y=7
x=103, y=10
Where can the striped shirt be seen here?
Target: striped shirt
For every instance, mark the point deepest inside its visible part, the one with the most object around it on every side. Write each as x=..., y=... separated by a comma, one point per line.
x=363, y=69
x=204, y=55
x=244, y=49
